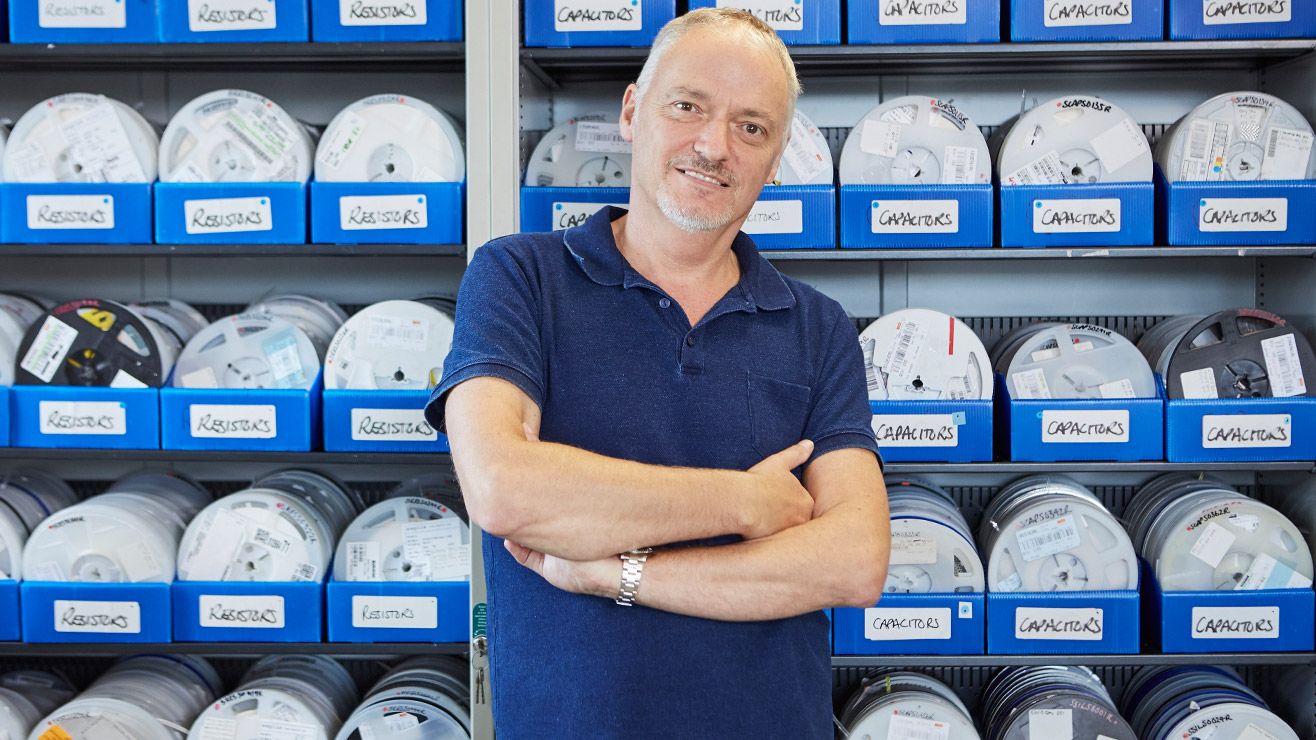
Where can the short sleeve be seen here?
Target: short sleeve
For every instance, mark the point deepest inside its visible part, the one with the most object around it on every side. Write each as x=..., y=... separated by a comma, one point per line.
x=497, y=328
x=841, y=417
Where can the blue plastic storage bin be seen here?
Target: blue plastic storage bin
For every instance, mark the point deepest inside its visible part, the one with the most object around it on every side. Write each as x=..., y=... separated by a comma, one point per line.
x=904, y=216
x=1080, y=430
x=1100, y=215
x=379, y=421
x=919, y=22
x=11, y=618
x=912, y=624
x=75, y=213
x=231, y=21
x=567, y=23
x=1086, y=20
x=1240, y=429
x=803, y=22
x=386, y=20
x=224, y=611
x=230, y=213
x=933, y=431
x=95, y=612
x=271, y=420
x=1063, y=623
x=83, y=22
x=1236, y=213
x=794, y=217
x=551, y=209
x=97, y=418
x=399, y=611
x=387, y=212
x=1267, y=621
x=1228, y=19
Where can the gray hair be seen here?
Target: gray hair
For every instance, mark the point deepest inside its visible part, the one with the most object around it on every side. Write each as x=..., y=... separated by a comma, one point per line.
x=752, y=29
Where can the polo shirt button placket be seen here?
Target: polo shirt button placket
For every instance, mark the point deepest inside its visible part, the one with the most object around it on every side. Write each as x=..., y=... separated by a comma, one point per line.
x=664, y=303
x=689, y=340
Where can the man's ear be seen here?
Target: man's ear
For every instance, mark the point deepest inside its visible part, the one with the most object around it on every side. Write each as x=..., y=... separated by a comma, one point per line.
x=628, y=104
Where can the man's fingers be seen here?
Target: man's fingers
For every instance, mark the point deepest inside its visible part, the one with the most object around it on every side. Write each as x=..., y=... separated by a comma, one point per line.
x=531, y=434
x=794, y=456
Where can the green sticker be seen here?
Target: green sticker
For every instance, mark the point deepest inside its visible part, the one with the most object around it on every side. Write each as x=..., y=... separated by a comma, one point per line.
x=480, y=620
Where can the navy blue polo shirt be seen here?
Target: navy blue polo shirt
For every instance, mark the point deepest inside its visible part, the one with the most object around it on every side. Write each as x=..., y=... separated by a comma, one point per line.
x=617, y=369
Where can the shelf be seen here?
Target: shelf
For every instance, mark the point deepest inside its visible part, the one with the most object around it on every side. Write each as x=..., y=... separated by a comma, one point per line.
x=234, y=649
x=233, y=250
x=411, y=56
x=170, y=456
x=1150, y=467
x=555, y=66
x=975, y=661
x=1049, y=253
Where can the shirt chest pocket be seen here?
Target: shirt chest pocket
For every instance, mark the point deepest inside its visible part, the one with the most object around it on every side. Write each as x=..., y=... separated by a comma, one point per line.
x=778, y=411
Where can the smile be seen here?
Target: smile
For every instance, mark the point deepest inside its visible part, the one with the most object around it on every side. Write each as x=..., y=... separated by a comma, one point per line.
x=702, y=177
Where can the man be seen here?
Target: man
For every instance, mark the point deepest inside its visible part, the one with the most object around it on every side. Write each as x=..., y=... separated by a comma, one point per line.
x=648, y=379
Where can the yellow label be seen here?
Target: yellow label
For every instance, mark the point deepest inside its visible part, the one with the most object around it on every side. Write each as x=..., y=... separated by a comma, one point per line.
x=55, y=733
x=97, y=317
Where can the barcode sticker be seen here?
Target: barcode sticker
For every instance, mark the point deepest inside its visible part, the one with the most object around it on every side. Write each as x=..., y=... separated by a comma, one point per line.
x=1287, y=154
x=47, y=352
x=1199, y=383
x=397, y=332
x=1268, y=573
x=363, y=561
x=802, y=154
x=1048, y=538
x=913, y=550
x=960, y=166
x=1283, y=366
x=902, y=727
x=1213, y=544
x=1122, y=388
x=1050, y=724
x=1045, y=170
x=902, y=358
x=598, y=136
x=881, y=138
x=1030, y=385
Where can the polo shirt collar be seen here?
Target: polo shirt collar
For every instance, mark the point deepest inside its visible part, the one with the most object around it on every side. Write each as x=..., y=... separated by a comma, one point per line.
x=595, y=250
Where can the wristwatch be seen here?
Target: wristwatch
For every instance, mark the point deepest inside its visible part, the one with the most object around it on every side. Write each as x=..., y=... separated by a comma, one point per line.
x=632, y=569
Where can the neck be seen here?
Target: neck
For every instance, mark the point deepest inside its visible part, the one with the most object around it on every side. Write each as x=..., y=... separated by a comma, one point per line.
x=678, y=261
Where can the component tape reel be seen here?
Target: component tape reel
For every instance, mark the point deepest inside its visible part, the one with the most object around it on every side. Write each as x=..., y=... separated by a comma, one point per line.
x=178, y=318
x=1076, y=361
x=1240, y=353
x=27, y=497
x=248, y=351
x=919, y=354
x=95, y=342
x=235, y=136
x=423, y=698
x=17, y=314
x=1239, y=136
x=319, y=318
x=390, y=138
x=932, y=549
x=1076, y=139
x=405, y=539
x=339, y=503
x=904, y=704
x=26, y=697
x=586, y=151
x=915, y=140
x=1048, y=533
x=80, y=137
x=392, y=345
x=1070, y=700
x=258, y=534
x=807, y=159
x=143, y=697
x=303, y=696
x=1170, y=703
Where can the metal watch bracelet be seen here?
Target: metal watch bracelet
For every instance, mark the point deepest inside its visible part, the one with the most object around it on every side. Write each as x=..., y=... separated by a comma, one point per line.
x=632, y=570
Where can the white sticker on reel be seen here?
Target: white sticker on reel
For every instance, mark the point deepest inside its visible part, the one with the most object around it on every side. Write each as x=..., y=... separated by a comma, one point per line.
x=597, y=15
x=383, y=12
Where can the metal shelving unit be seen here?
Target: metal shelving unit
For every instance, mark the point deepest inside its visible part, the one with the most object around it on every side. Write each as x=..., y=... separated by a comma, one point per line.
x=1145, y=659
x=450, y=57
x=234, y=649
x=232, y=250
x=1042, y=253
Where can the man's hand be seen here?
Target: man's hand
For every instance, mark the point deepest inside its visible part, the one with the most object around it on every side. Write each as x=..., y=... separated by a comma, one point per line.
x=595, y=578
x=781, y=501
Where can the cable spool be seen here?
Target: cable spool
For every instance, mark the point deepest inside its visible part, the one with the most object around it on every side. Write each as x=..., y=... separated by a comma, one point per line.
x=95, y=342
x=1075, y=361
x=235, y=136
x=79, y=137
x=392, y=345
x=1238, y=136
x=142, y=697
x=900, y=704
x=319, y=318
x=1051, y=701
x=932, y=548
x=17, y=314
x=1170, y=703
x=248, y=351
x=1203, y=535
x=924, y=355
x=915, y=140
x=27, y=497
x=425, y=698
x=1048, y=533
x=586, y=151
x=301, y=696
x=807, y=159
x=1072, y=140
x=1240, y=353
x=390, y=138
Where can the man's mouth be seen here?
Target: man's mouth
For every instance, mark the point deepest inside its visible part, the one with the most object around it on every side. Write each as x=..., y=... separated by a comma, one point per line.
x=702, y=177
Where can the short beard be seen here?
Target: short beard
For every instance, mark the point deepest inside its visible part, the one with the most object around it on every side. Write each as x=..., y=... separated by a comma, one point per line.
x=692, y=223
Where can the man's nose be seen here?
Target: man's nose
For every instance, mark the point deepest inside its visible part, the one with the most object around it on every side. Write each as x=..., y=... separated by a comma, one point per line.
x=714, y=141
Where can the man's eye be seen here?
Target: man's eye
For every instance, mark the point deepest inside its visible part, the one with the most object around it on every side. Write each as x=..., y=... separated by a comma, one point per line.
x=753, y=129
x=685, y=107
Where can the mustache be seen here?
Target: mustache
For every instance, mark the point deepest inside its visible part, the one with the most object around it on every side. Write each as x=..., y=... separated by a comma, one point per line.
x=705, y=166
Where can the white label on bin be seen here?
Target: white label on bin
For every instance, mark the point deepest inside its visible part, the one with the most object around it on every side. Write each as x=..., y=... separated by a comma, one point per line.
x=597, y=15
x=70, y=212
x=1243, y=214
x=228, y=215
x=224, y=421
x=916, y=217
x=775, y=217
x=258, y=612
x=1220, y=12
x=1064, y=426
x=916, y=430
x=383, y=12
x=782, y=15
x=922, y=13
x=231, y=15
x=1228, y=622
x=391, y=425
x=365, y=212
x=1238, y=431
x=105, y=617
x=571, y=215
x=82, y=417
x=882, y=624
x=1060, y=13
x=1049, y=623
x=82, y=14
x=395, y=612
x=1076, y=216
